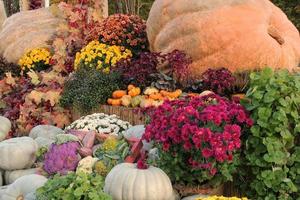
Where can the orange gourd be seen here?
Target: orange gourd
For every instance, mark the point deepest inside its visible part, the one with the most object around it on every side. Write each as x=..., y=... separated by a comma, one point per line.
x=134, y=92
x=236, y=34
x=156, y=96
x=109, y=101
x=114, y=102
x=172, y=95
x=119, y=94
x=130, y=87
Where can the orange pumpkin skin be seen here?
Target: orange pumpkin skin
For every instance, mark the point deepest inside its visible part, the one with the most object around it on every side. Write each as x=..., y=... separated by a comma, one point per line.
x=119, y=94
x=236, y=34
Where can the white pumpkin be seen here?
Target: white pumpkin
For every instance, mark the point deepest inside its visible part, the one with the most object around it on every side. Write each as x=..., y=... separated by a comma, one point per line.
x=5, y=126
x=11, y=176
x=126, y=182
x=43, y=142
x=1, y=178
x=2, y=191
x=45, y=131
x=23, y=186
x=17, y=153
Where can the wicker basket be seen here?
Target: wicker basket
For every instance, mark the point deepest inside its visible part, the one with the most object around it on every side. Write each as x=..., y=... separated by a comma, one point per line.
x=202, y=190
x=127, y=114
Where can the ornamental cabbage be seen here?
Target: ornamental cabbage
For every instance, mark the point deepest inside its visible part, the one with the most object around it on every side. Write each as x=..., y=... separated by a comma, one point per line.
x=61, y=158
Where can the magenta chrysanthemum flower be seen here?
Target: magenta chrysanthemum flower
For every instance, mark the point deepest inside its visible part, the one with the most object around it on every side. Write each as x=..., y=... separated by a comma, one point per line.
x=61, y=158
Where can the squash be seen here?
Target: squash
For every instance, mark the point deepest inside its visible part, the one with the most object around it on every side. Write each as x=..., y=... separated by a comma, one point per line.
x=146, y=103
x=235, y=34
x=171, y=95
x=23, y=186
x=109, y=101
x=43, y=142
x=136, y=101
x=126, y=99
x=206, y=92
x=126, y=182
x=1, y=178
x=12, y=176
x=114, y=102
x=21, y=149
x=150, y=90
x=156, y=96
x=118, y=94
x=5, y=126
x=45, y=131
x=134, y=92
x=130, y=87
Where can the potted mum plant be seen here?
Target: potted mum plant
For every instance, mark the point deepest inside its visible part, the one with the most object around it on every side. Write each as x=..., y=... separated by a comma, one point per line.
x=198, y=140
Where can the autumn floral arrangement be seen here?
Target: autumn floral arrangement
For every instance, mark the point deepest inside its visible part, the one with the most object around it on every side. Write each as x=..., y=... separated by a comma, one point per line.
x=128, y=31
x=101, y=56
x=198, y=139
x=37, y=59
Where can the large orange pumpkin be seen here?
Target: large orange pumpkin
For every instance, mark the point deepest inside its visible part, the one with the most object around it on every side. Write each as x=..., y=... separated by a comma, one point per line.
x=236, y=34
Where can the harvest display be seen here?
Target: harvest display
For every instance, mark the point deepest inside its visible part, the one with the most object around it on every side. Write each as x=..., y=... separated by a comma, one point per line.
x=196, y=103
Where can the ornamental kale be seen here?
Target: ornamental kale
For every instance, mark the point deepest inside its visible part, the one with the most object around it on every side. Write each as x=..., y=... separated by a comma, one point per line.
x=198, y=138
x=61, y=158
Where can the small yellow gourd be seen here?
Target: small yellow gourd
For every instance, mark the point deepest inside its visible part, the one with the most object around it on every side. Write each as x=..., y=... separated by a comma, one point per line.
x=134, y=92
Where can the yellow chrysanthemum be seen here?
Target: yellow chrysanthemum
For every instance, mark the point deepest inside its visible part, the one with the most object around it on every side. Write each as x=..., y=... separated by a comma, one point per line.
x=110, y=144
x=34, y=56
x=100, y=56
x=100, y=168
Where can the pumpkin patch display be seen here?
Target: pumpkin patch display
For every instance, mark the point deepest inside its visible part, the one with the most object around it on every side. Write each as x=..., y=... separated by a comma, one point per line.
x=236, y=34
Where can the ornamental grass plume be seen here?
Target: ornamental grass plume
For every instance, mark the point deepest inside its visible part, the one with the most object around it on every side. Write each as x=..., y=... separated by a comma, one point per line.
x=61, y=158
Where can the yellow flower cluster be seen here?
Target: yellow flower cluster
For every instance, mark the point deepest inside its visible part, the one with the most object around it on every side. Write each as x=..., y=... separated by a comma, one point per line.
x=109, y=144
x=221, y=198
x=100, y=168
x=101, y=56
x=30, y=59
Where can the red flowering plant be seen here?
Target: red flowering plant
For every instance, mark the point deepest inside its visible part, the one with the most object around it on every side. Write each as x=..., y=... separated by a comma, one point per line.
x=198, y=138
x=220, y=80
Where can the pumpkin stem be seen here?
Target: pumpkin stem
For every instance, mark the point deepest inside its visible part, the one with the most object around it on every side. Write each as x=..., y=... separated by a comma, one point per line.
x=273, y=32
x=20, y=197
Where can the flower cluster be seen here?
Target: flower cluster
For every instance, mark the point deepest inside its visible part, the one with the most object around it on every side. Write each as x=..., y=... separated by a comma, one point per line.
x=218, y=80
x=110, y=153
x=37, y=59
x=221, y=198
x=101, y=56
x=203, y=133
x=123, y=30
x=61, y=158
x=101, y=123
